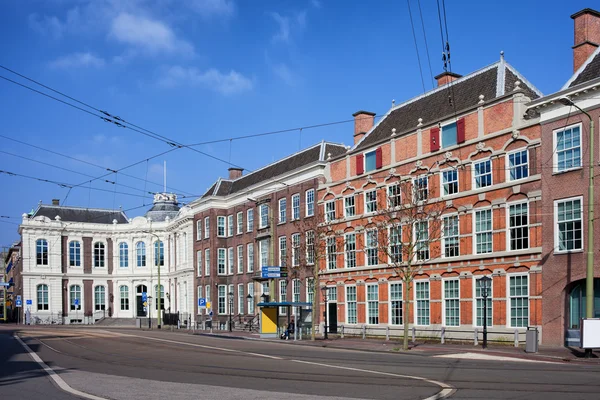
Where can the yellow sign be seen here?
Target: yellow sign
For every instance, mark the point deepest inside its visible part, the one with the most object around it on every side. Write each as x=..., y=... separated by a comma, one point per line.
x=208, y=304
x=145, y=303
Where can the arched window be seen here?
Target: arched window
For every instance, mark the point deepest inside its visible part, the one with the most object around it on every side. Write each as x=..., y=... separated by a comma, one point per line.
x=74, y=254
x=162, y=297
x=99, y=298
x=42, y=297
x=140, y=249
x=124, y=295
x=75, y=297
x=99, y=254
x=41, y=252
x=123, y=255
x=159, y=253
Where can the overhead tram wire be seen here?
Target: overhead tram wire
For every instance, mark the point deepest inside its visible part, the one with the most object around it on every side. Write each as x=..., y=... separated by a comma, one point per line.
x=412, y=25
x=426, y=45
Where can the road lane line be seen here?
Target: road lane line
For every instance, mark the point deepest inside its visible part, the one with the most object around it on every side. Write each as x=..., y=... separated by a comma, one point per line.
x=54, y=376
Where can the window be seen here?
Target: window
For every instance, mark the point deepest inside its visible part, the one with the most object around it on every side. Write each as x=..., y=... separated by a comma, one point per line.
x=99, y=298
x=123, y=255
x=395, y=235
x=282, y=210
x=159, y=253
x=99, y=254
x=221, y=226
x=350, y=250
x=199, y=229
x=332, y=293
x=240, y=259
x=282, y=251
x=373, y=304
x=240, y=223
x=206, y=227
x=330, y=211
x=140, y=253
x=371, y=201
x=310, y=202
x=568, y=148
x=221, y=261
x=74, y=254
x=124, y=296
x=222, y=299
x=479, y=304
x=42, y=297
x=351, y=314
x=349, y=207
x=296, y=290
x=263, y=247
x=569, y=235
x=371, y=250
x=295, y=249
x=251, y=298
x=396, y=303
x=263, y=210
x=450, y=182
x=229, y=225
x=449, y=135
x=519, y=301
x=207, y=262
x=451, y=241
x=250, y=220
x=41, y=252
x=241, y=298
x=422, y=296
x=295, y=207
x=518, y=165
x=370, y=161
x=310, y=247
x=230, y=261
x=518, y=226
x=452, y=302
x=331, y=253
x=250, y=250
x=207, y=293
x=310, y=290
x=199, y=264
x=282, y=296
x=482, y=174
x=75, y=295
x=422, y=240
x=394, y=196
x=421, y=191
x=483, y=231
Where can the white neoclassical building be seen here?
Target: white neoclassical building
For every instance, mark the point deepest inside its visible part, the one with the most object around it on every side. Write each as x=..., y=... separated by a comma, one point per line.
x=81, y=265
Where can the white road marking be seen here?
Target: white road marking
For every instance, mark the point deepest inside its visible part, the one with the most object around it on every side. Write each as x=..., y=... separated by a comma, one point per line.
x=490, y=357
x=54, y=376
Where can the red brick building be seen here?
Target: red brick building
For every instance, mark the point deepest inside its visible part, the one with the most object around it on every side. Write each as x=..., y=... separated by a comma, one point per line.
x=465, y=145
x=565, y=179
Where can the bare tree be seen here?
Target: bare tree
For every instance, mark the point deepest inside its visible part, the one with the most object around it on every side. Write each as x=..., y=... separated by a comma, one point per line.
x=406, y=233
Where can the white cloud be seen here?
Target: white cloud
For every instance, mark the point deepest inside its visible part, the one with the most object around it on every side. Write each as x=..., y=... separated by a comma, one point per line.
x=283, y=35
x=316, y=3
x=209, y=8
x=224, y=83
x=78, y=60
x=150, y=35
x=285, y=74
x=47, y=25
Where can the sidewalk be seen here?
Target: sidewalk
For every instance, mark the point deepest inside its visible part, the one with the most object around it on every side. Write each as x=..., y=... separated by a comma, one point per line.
x=544, y=354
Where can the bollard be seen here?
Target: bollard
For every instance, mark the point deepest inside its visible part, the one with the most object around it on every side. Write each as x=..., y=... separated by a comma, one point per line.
x=387, y=333
x=342, y=333
x=442, y=338
x=300, y=334
x=516, y=338
x=475, y=338
x=364, y=332
x=414, y=333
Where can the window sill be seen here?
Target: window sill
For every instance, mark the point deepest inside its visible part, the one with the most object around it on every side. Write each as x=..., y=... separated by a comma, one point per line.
x=563, y=252
x=567, y=170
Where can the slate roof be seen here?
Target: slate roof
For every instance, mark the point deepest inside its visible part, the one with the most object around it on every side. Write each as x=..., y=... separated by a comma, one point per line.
x=492, y=82
x=588, y=71
x=161, y=210
x=319, y=152
x=79, y=214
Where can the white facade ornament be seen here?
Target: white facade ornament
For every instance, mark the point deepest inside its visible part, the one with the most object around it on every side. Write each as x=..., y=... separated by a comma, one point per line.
x=393, y=131
x=480, y=146
x=114, y=221
x=419, y=163
x=347, y=184
x=447, y=155
x=393, y=102
x=392, y=171
x=420, y=120
x=329, y=156
x=57, y=218
x=515, y=133
x=481, y=97
x=517, y=85
x=172, y=197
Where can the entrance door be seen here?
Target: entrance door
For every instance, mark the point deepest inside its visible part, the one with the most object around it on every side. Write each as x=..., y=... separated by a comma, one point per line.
x=332, y=317
x=139, y=302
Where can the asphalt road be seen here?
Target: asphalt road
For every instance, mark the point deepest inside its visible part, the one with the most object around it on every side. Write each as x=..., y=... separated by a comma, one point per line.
x=121, y=364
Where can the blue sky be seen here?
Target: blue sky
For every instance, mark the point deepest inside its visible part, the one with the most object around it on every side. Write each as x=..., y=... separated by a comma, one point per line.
x=203, y=70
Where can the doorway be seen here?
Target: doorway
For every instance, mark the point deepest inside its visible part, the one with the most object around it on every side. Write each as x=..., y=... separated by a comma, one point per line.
x=140, y=312
x=332, y=317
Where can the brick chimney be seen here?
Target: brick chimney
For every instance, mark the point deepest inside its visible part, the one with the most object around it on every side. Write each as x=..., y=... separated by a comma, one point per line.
x=446, y=77
x=235, y=173
x=587, y=35
x=55, y=202
x=363, y=122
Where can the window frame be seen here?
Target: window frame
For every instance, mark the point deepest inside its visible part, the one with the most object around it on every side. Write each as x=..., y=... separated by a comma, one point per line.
x=295, y=208
x=199, y=229
x=221, y=261
x=263, y=214
x=490, y=299
x=372, y=201
x=555, y=133
x=44, y=304
x=527, y=226
x=474, y=185
x=310, y=203
x=282, y=249
x=141, y=260
x=221, y=226
x=42, y=252
x=394, y=195
x=99, y=255
x=416, y=301
x=490, y=231
x=206, y=227
x=420, y=192
x=372, y=153
x=250, y=257
x=230, y=226
x=445, y=125
x=391, y=316
x=123, y=255
x=426, y=241
x=159, y=253
x=349, y=251
x=199, y=263
x=329, y=209
x=250, y=220
x=444, y=183
x=557, y=249
x=99, y=294
x=123, y=301
x=74, y=254
x=230, y=260
x=295, y=249
x=352, y=207
x=369, y=248
x=206, y=262
x=368, y=315
x=75, y=294
x=282, y=203
x=446, y=299
x=240, y=259
x=509, y=169
x=240, y=222
x=310, y=238
x=331, y=256
x=348, y=302
x=444, y=236
x=510, y=300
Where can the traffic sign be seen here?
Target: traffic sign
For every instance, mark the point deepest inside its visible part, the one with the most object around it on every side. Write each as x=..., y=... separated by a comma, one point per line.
x=201, y=303
x=145, y=309
x=270, y=269
x=4, y=284
x=145, y=304
x=19, y=303
x=144, y=296
x=208, y=305
x=18, y=297
x=274, y=274
x=210, y=313
x=76, y=302
x=29, y=302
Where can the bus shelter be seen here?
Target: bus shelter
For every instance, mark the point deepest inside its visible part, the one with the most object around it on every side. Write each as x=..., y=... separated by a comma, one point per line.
x=271, y=319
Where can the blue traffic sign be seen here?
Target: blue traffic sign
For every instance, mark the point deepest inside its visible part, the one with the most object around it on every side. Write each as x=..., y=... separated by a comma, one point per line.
x=144, y=296
x=270, y=269
x=202, y=302
x=18, y=297
x=29, y=302
x=210, y=313
x=76, y=302
x=270, y=274
x=19, y=303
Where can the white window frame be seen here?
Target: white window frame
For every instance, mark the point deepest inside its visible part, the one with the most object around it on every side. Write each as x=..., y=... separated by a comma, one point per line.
x=240, y=222
x=240, y=259
x=474, y=170
x=370, y=201
x=421, y=193
x=229, y=225
x=426, y=241
x=490, y=299
x=368, y=247
x=199, y=264
x=295, y=249
x=444, y=217
x=509, y=300
x=263, y=214
x=330, y=211
x=251, y=298
x=221, y=224
x=367, y=301
x=391, y=300
x=509, y=169
x=444, y=183
x=282, y=210
x=444, y=125
x=206, y=262
x=394, y=195
x=331, y=257
x=206, y=227
x=225, y=299
x=230, y=260
x=416, y=305
x=296, y=290
x=221, y=260
x=346, y=206
x=263, y=253
x=199, y=229
x=295, y=207
x=446, y=299
x=250, y=257
x=241, y=298
x=555, y=132
x=349, y=251
x=491, y=231
x=347, y=302
x=282, y=295
x=282, y=242
x=557, y=231
x=391, y=253
x=310, y=247
x=250, y=220
x=310, y=202
x=508, y=227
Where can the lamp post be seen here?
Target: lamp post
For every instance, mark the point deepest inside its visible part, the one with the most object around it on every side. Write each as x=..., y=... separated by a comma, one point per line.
x=230, y=310
x=486, y=283
x=324, y=291
x=157, y=257
x=250, y=310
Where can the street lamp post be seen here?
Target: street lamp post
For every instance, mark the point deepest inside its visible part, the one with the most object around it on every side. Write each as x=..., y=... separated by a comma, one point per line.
x=230, y=310
x=324, y=291
x=486, y=282
x=157, y=257
x=250, y=311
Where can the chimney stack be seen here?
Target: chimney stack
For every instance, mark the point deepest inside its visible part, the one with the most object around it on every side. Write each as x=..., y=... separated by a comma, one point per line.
x=587, y=35
x=55, y=202
x=363, y=122
x=446, y=77
x=235, y=173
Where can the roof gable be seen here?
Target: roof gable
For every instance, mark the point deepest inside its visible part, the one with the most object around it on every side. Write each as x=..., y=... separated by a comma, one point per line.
x=589, y=70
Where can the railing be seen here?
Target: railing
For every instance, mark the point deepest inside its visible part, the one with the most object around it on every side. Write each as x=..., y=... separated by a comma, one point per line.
x=51, y=319
x=98, y=315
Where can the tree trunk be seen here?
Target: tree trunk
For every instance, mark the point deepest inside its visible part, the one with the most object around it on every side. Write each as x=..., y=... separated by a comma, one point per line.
x=315, y=304
x=405, y=313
